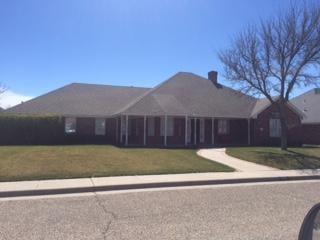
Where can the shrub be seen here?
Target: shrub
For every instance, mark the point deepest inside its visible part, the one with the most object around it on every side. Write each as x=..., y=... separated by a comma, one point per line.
x=27, y=130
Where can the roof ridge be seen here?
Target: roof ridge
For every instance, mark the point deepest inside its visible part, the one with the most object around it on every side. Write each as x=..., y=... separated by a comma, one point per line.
x=138, y=99
x=107, y=85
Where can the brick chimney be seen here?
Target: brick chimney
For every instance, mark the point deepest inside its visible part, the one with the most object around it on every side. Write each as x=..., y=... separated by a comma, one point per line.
x=213, y=77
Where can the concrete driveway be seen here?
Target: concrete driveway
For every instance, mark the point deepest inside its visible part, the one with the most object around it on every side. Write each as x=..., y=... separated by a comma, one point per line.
x=219, y=155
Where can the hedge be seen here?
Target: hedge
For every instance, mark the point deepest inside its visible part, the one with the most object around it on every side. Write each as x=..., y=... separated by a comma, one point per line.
x=27, y=130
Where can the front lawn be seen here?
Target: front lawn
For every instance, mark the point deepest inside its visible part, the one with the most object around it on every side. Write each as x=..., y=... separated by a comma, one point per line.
x=49, y=162
x=293, y=158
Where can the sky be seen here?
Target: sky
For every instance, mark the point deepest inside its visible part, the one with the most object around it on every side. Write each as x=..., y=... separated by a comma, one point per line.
x=47, y=44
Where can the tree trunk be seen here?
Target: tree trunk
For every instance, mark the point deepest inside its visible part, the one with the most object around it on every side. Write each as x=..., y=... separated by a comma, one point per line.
x=283, y=122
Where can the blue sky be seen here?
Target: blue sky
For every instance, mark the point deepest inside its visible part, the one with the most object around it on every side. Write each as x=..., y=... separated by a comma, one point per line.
x=47, y=44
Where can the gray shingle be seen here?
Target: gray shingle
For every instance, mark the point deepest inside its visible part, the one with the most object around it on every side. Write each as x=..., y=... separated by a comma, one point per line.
x=309, y=104
x=260, y=105
x=182, y=94
x=80, y=99
x=190, y=94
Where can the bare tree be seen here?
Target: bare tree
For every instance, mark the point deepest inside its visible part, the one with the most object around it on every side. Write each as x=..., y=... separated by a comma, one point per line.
x=276, y=56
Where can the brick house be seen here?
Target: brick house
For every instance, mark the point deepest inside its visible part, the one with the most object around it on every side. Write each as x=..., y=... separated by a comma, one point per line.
x=186, y=110
x=309, y=104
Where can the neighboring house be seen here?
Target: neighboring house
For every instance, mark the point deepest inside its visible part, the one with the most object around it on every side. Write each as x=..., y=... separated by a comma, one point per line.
x=185, y=110
x=309, y=103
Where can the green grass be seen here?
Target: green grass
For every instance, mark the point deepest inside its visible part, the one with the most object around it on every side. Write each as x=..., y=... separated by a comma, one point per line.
x=293, y=158
x=50, y=162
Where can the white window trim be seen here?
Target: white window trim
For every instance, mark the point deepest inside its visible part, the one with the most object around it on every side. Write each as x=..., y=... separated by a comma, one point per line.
x=223, y=126
x=100, y=130
x=70, y=125
x=274, y=128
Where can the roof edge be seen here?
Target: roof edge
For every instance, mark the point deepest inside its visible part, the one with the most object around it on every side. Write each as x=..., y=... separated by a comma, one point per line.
x=289, y=104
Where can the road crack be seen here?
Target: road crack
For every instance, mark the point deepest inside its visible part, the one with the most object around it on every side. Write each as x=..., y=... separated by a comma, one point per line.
x=106, y=212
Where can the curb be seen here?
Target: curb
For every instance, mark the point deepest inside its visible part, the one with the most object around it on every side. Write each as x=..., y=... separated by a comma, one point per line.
x=40, y=192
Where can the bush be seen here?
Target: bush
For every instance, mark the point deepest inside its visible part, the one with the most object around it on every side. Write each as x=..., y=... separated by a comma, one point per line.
x=27, y=130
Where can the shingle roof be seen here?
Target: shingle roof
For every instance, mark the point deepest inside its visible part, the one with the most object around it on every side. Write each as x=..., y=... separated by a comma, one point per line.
x=309, y=103
x=260, y=105
x=80, y=100
x=264, y=103
x=182, y=94
x=190, y=94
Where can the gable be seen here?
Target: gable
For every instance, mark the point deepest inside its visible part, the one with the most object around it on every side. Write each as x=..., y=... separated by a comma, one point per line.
x=264, y=104
x=189, y=94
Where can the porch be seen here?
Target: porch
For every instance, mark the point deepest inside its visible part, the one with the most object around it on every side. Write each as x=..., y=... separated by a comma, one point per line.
x=182, y=131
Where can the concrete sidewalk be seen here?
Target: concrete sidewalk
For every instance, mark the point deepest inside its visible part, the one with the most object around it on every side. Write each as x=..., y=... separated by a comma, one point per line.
x=219, y=155
x=46, y=187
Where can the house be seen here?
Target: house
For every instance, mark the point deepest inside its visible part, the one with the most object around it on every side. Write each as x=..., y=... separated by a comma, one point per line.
x=186, y=110
x=309, y=104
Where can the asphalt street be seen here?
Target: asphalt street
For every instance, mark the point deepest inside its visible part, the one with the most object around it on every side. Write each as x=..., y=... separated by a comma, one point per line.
x=247, y=211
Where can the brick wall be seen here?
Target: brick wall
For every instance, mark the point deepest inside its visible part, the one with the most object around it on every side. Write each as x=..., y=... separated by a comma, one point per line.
x=310, y=133
x=261, y=128
x=85, y=126
x=238, y=133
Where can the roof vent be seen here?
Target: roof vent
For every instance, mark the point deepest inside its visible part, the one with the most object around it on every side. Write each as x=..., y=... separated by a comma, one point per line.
x=317, y=90
x=213, y=76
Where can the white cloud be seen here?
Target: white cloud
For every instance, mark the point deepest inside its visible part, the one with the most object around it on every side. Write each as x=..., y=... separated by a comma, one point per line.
x=10, y=99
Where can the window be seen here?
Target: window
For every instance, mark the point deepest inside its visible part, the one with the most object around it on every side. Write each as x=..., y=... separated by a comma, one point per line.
x=100, y=126
x=170, y=126
x=151, y=126
x=223, y=127
x=70, y=125
x=275, y=127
